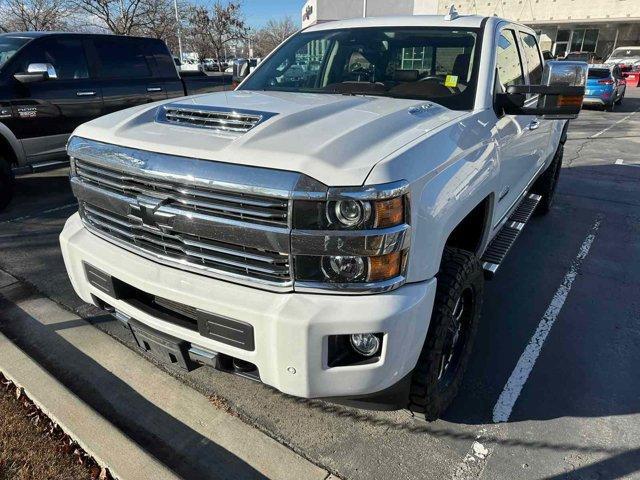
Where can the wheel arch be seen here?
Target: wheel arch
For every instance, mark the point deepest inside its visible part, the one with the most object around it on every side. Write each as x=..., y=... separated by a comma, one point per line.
x=11, y=146
x=472, y=232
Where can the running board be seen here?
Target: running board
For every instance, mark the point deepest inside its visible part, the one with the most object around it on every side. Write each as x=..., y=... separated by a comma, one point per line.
x=41, y=167
x=506, y=237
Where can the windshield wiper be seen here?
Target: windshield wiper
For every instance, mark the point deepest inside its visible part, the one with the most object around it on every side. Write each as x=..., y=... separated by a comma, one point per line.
x=363, y=93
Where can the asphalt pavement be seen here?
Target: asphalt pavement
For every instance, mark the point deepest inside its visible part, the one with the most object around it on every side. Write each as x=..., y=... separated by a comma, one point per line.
x=552, y=391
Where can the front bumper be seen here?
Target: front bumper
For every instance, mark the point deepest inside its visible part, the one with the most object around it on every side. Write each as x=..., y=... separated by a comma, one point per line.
x=290, y=329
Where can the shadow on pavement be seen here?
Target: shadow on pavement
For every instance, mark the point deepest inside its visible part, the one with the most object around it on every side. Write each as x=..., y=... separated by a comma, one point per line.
x=173, y=443
x=618, y=466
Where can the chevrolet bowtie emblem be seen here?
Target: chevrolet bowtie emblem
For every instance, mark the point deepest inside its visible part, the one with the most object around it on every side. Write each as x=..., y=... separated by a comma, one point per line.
x=148, y=207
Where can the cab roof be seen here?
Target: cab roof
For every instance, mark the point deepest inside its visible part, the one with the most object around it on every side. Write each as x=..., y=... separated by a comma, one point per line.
x=463, y=21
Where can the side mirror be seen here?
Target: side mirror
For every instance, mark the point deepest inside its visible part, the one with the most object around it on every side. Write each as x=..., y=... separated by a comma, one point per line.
x=559, y=96
x=37, y=72
x=240, y=71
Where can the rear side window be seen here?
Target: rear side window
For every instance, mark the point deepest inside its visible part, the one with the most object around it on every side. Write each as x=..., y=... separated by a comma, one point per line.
x=121, y=58
x=66, y=55
x=158, y=57
x=531, y=53
x=509, y=64
x=599, y=73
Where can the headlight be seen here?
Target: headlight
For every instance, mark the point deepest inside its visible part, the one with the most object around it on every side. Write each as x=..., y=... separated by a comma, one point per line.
x=343, y=269
x=349, y=214
x=356, y=239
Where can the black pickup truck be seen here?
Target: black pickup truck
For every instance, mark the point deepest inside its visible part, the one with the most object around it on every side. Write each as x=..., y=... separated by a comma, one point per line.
x=52, y=82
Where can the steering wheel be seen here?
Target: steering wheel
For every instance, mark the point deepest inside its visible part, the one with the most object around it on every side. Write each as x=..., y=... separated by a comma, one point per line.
x=431, y=77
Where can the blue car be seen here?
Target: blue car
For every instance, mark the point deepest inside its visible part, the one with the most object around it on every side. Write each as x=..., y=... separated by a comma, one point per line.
x=605, y=86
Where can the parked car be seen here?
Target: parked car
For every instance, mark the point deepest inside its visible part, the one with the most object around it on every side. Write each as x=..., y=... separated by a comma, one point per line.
x=211, y=65
x=605, y=86
x=51, y=82
x=330, y=239
x=628, y=58
x=192, y=66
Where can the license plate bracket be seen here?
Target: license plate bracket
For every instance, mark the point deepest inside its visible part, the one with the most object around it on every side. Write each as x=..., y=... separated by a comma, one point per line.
x=163, y=347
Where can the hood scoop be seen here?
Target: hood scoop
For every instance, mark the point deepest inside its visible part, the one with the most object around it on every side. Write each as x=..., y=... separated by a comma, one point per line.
x=221, y=119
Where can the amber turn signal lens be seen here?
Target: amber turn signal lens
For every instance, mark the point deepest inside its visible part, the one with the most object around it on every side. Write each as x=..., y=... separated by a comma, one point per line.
x=569, y=100
x=389, y=213
x=385, y=267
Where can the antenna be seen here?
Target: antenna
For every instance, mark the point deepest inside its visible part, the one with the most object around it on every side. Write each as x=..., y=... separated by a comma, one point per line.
x=452, y=15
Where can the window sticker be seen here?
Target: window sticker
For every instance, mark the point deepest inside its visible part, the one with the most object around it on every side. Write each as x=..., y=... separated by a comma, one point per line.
x=451, y=81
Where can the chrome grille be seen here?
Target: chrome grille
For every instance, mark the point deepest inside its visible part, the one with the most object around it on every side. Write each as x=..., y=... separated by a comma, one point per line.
x=227, y=121
x=237, y=206
x=190, y=249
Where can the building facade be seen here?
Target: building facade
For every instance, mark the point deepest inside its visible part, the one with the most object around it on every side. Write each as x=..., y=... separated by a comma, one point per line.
x=563, y=26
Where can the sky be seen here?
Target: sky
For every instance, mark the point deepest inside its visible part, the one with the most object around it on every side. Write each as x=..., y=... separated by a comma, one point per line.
x=258, y=12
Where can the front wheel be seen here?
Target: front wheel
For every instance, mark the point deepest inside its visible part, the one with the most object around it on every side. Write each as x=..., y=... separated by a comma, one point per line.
x=452, y=330
x=6, y=183
x=619, y=101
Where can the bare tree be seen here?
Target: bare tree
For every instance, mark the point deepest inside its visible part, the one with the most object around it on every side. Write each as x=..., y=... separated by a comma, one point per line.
x=122, y=17
x=161, y=22
x=273, y=34
x=36, y=15
x=215, y=27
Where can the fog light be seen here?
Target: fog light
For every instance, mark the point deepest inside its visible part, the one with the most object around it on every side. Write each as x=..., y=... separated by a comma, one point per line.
x=366, y=344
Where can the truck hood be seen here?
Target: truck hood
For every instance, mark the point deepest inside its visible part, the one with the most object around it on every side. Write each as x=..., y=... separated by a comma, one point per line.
x=335, y=139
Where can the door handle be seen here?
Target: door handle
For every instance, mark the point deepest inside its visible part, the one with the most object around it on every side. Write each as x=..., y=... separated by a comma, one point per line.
x=534, y=125
x=154, y=89
x=85, y=94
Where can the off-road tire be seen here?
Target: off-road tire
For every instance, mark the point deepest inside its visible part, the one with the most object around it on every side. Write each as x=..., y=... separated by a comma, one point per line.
x=460, y=271
x=546, y=184
x=6, y=183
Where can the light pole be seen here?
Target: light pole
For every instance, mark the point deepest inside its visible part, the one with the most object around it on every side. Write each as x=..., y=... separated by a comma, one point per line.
x=364, y=8
x=175, y=7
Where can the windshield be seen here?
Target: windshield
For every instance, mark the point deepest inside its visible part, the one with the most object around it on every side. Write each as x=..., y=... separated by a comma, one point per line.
x=626, y=53
x=9, y=46
x=418, y=63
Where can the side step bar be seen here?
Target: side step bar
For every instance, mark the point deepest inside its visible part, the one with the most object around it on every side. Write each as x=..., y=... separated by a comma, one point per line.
x=506, y=237
x=41, y=167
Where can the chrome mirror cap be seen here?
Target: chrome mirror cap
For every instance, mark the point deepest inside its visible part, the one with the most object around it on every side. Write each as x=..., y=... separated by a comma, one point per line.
x=566, y=73
x=43, y=68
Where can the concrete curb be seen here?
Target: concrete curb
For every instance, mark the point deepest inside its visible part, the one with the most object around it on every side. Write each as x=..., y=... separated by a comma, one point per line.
x=201, y=441
x=105, y=443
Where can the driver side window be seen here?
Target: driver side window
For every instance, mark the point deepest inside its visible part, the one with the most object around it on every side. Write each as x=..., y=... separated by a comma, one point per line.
x=509, y=63
x=66, y=55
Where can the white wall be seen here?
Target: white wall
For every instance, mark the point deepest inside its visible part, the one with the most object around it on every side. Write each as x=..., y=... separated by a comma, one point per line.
x=327, y=10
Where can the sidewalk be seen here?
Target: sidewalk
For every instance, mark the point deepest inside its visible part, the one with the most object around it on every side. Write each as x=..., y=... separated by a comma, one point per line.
x=123, y=409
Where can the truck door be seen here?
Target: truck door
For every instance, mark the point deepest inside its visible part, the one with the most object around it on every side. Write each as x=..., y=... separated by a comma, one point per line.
x=46, y=112
x=163, y=68
x=125, y=76
x=513, y=131
x=538, y=137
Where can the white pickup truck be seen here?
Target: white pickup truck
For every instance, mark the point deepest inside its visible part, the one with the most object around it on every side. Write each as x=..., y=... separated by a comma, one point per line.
x=327, y=234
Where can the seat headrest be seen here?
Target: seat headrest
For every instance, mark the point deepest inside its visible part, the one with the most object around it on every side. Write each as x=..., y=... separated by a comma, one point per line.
x=461, y=66
x=405, y=75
